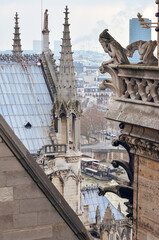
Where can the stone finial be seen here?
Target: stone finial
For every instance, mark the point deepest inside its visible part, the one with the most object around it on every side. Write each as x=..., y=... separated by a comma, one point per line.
x=66, y=13
x=98, y=217
x=16, y=41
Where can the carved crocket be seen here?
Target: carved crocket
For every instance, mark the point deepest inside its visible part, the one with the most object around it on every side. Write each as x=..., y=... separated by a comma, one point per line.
x=145, y=50
x=113, y=48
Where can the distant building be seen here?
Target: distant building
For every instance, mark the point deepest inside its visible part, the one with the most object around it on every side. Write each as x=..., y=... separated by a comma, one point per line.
x=101, y=218
x=57, y=47
x=37, y=46
x=78, y=67
x=136, y=33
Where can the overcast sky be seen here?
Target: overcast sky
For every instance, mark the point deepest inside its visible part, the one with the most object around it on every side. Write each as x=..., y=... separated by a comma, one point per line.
x=87, y=18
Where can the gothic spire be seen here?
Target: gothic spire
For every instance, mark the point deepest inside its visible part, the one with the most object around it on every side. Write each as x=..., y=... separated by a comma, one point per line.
x=67, y=82
x=108, y=216
x=16, y=41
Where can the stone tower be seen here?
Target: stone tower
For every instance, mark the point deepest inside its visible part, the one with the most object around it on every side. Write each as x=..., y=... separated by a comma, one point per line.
x=63, y=156
x=16, y=41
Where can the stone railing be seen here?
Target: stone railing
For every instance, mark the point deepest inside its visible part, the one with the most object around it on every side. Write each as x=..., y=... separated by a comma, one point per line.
x=54, y=148
x=27, y=58
x=133, y=82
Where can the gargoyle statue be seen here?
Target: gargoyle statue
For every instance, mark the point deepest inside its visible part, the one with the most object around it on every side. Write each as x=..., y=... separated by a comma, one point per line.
x=120, y=190
x=145, y=50
x=113, y=48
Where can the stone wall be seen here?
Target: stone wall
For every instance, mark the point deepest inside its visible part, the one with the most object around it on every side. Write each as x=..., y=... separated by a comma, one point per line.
x=146, y=198
x=136, y=107
x=25, y=212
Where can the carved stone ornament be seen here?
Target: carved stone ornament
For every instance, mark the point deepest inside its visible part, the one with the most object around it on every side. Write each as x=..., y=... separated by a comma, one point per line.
x=113, y=48
x=145, y=50
x=63, y=175
x=66, y=109
x=113, y=83
x=26, y=58
x=72, y=159
x=46, y=21
x=143, y=147
x=123, y=192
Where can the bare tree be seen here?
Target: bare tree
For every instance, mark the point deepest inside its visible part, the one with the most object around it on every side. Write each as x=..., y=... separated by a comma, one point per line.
x=92, y=120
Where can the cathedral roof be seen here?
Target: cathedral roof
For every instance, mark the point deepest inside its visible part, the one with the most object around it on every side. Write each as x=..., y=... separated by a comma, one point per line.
x=90, y=197
x=25, y=102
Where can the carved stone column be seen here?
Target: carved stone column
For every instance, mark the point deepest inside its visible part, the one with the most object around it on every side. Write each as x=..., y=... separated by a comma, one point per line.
x=59, y=126
x=79, y=133
x=67, y=134
x=76, y=134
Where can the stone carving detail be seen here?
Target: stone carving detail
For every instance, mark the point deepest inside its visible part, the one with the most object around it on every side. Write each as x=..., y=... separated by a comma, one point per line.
x=113, y=48
x=27, y=58
x=66, y=109
x=120, y=190
x=46, y=20
x=145, y=50
x=72, y=159
x=63, y=175
x=141, y=89
x=123, y=191
x=142, y=146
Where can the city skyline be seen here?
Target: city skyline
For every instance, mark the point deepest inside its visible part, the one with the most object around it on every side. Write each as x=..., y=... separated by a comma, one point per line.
x=87, y=21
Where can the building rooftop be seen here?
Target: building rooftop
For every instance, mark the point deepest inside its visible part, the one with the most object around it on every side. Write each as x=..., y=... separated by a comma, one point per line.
x=90, y=197
x=25, y=102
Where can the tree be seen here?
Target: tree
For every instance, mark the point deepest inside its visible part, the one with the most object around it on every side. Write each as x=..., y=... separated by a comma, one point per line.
x=92, y=120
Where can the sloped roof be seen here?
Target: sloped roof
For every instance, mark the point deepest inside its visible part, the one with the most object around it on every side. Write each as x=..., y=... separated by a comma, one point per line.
x=39, y=177
x=90, y=197
x=25, y=101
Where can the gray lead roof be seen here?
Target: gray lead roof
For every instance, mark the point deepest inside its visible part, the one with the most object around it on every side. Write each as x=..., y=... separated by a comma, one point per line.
x=25, y=101
x=90, y=197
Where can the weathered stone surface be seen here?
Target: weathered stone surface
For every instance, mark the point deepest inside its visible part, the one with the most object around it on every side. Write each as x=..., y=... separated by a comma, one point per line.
x=25, y=220
x=17, y=178
x=59, y=232
x=4, y=150
x=3, y=179
x=6, y=222
x=35, y=205
x=10, y=207
x=6, y=194
x=30, y=233
x=6, y=208
x=27, y=191
x=49, y=217
x=9, y=164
